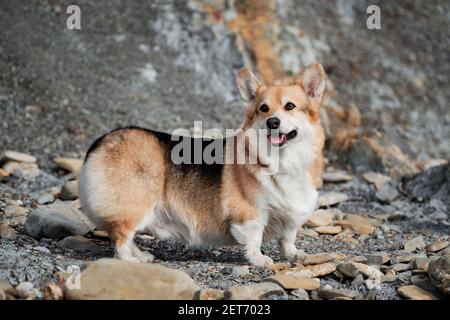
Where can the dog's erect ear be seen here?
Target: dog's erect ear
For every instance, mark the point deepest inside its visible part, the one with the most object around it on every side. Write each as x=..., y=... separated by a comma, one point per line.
x=313, y=80
x=247, y=84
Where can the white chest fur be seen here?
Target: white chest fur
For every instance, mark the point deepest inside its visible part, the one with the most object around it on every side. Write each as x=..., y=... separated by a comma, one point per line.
x=287, y=201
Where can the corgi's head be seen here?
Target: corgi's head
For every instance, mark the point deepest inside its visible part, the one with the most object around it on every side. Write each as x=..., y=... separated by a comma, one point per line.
x=288, y=112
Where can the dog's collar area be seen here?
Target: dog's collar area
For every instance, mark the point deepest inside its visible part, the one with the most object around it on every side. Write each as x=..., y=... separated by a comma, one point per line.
x=279, y=139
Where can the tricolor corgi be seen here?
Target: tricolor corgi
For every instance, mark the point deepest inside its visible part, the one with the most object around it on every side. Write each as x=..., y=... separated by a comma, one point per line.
x=130, y=184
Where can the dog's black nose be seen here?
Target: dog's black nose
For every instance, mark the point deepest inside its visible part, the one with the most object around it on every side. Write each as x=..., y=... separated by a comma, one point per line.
x=273, y=123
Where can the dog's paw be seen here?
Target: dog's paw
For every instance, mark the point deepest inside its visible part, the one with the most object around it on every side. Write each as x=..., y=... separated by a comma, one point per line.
x=260, y=260
x=293, y=255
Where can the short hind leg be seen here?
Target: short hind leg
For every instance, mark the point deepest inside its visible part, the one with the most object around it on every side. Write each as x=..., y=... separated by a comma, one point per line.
x=126, y=248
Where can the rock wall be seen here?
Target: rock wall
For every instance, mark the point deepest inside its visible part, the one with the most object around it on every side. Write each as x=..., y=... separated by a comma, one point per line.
x=165, y=64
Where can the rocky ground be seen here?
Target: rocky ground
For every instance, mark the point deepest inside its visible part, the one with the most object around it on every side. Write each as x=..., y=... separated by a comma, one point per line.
x=166, y=64
x=368, y=240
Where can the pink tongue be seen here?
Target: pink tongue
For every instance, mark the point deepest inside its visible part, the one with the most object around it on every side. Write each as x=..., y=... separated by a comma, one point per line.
x=275, y=139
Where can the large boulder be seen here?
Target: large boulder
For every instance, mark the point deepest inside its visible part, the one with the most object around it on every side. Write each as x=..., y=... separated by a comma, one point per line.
x=112, y=279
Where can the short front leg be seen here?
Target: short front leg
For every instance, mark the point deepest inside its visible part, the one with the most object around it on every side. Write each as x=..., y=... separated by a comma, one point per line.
x=250, y=234
x=288, y=250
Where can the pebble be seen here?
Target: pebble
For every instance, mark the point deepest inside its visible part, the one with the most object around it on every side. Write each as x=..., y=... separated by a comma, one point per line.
x=79, y=243
x=312, y=271
x=331, y=198
x=329, y=230
x=16, y=156
x=377, y=258
x=414, y=244
x=28, y=171
x=290, y=281
x=400, y=267
x=112, y=279
x=57, y=221
x=70, y=190
x=279, y=266
x=300, y=294
x=387, y=193
x=69, y=164
x=321, y=217
x=209, y=294
x=415, y=293
x=235, y=271
x=422, y=281
x=390, y=276
x=437, y=245
x=45, y=198
x=358, y=223
x=377, y=179
x=352, y=269
x=254, y=291
x=359, y=279
x=321, y=258
x=421, y=263
x=6, y=232
x=330, y=294
x=42, y=249
x=336, y=176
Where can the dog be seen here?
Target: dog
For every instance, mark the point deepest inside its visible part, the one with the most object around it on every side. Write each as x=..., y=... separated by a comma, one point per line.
x=129, y=184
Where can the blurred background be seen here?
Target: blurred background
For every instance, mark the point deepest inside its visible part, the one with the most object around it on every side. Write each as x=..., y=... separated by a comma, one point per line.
x=164, y=64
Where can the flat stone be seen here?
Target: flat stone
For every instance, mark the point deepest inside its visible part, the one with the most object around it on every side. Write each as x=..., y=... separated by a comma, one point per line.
x=409, y=257
x=358, y=223
x=377, y=179
x=6, y=232
x=377, y=258
x=312, y=271
x=437, y=245
x=57, y=221
x=70, y=190
x=336, y=176
x=112, y=279
x=330, y=294
x=25, y=170
x=279, y=266
x=308, y=233
x=69, y=164
x=16, y=156
x=439, y=273
x=414, y=244
x=322, y=258
x=209, y=294
x=400, y=267
x=390, y=276
x=79, y=243
x=329, y=229
x=291, y=281
x=321, y=217
x=254, y=291
x=415, y=293
x=331, y=198
x=352, y=269
x=100, y=234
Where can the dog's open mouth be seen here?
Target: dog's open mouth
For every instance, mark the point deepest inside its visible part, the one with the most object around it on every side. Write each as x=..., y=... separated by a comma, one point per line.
x=280, y=139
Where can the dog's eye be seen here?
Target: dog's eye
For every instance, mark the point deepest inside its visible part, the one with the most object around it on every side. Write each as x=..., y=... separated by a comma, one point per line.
x=264, y=108
x=289, y=106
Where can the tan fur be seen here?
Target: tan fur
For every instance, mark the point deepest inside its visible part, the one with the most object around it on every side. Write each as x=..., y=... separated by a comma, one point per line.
x=129, y=183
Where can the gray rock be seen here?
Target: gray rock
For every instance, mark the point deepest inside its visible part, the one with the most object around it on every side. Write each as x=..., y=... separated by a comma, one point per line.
x=387, y=193
x=45, y=198
x=439, y=273
x=42, y=249
x=300, y=294
x=79, y=243
x=70, y=190
x=57, y=221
